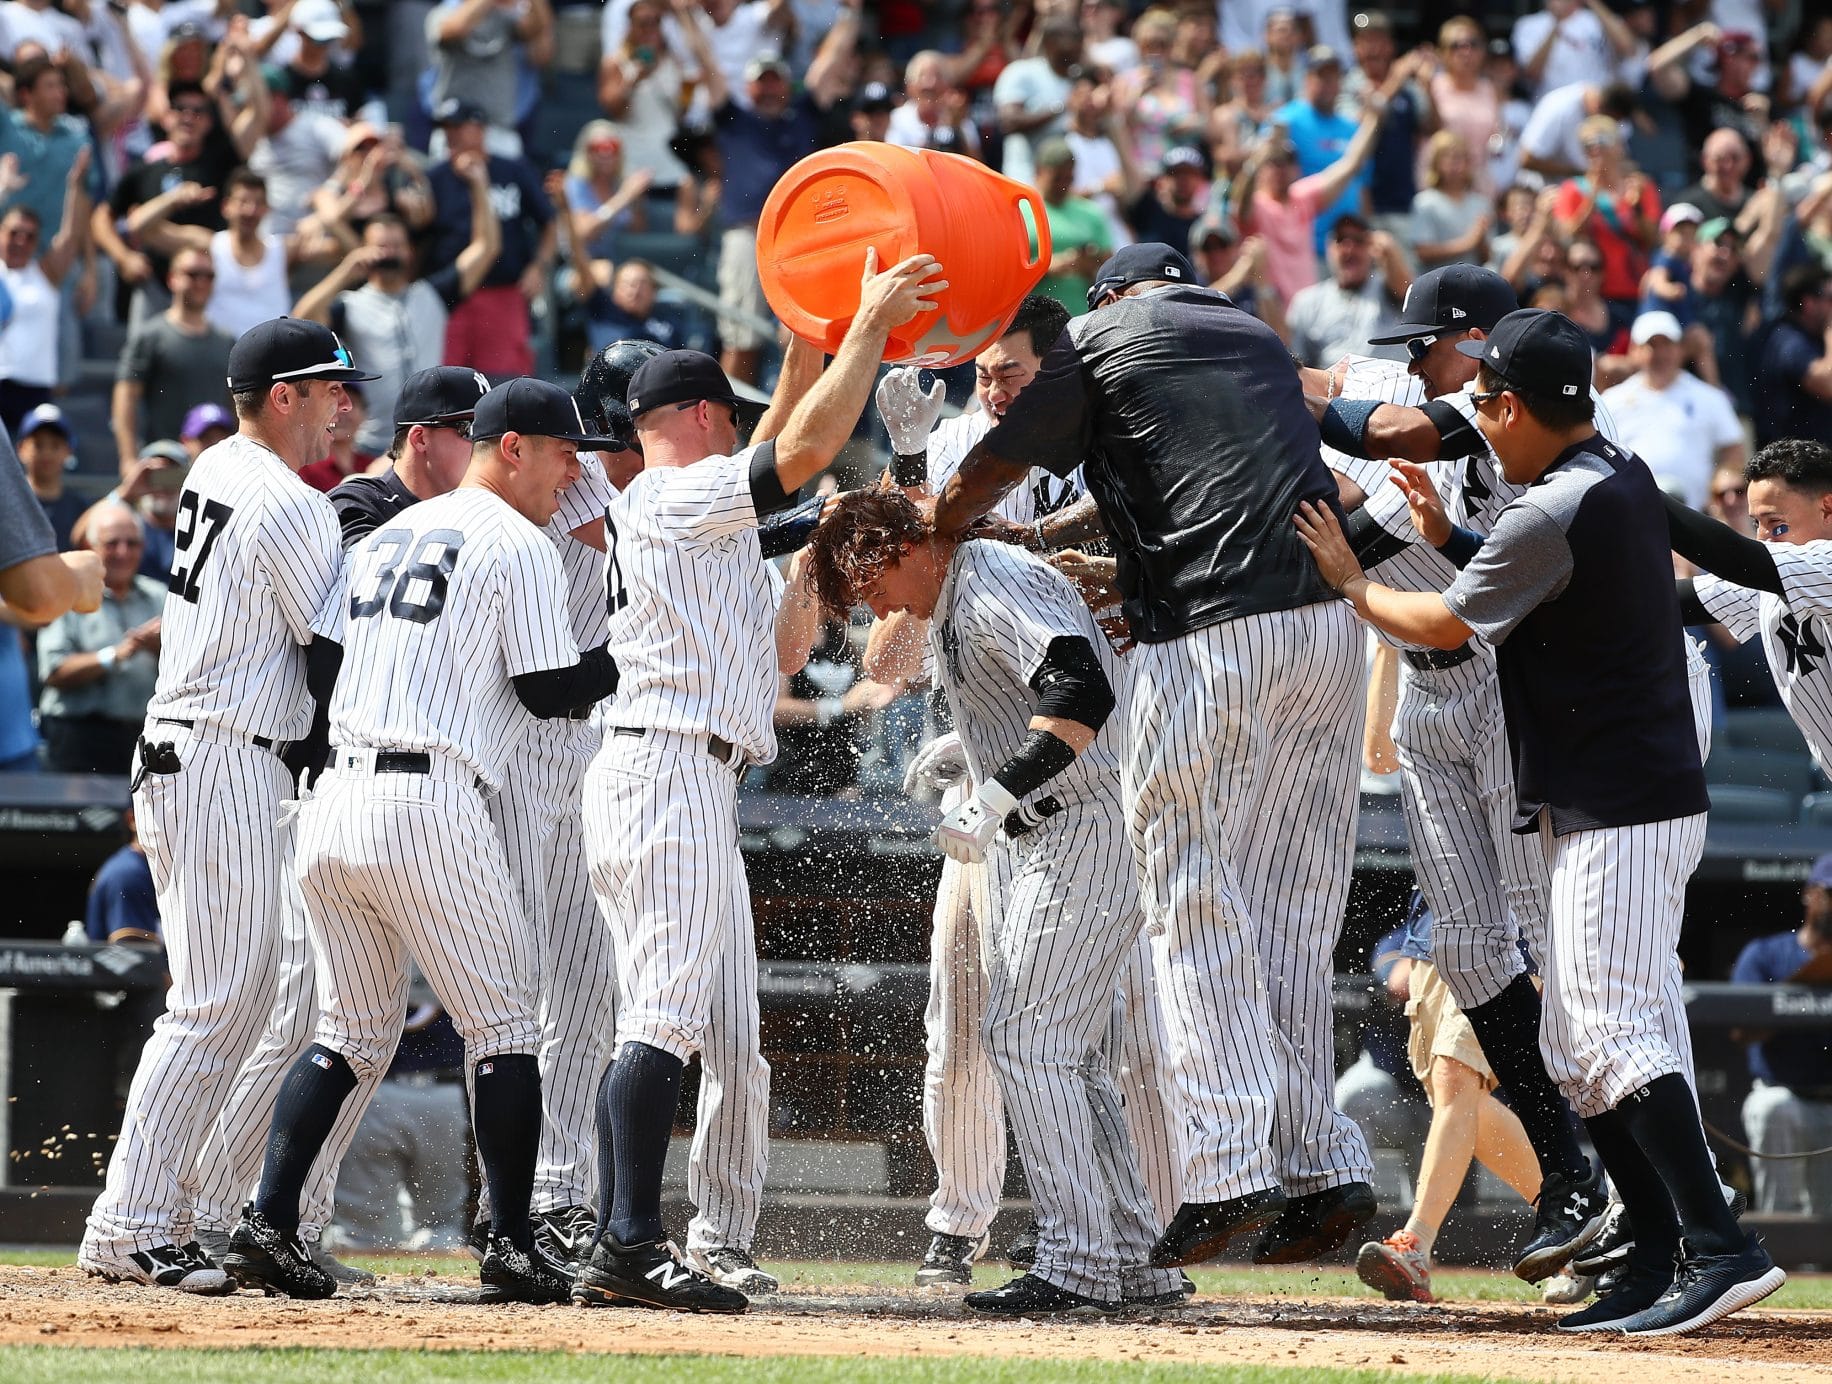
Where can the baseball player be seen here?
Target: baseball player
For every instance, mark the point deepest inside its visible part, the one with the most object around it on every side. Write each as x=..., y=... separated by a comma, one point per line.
x=692, y=615
x=450, y=626
x=1245, y=711
x=428, y=455
x=256, y=555
x=1573, y=588
x=1032, y=681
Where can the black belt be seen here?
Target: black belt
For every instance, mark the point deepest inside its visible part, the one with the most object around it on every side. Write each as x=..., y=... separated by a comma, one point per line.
x=717, y=746
x=260, y=742
x=1437, y=660
x=404, y=762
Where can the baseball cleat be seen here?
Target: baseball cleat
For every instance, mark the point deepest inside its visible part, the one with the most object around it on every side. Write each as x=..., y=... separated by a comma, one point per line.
x=1566, y=1288
x=1708, y=1288
x=261, y=1256
x=650, y=1275
x=1397, y=1267
x=1609, y=1247
x=736, y=1269
x=1637, y=1288
x=347, y=1274
x=1201, y=1229
x=214, y=1243
x=1316, y=1224
x=477, y=1240
x=1569, y=1214
x=1021, y=1253
x=509, y=1274
x=1030, y=1296
x=950, y=1259
x=187, y=1269
x=565, y=1234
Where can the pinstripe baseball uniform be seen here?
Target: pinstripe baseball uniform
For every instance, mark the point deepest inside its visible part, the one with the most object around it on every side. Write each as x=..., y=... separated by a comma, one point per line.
x=1066, y=919
x=397, y=853
x=257, y=553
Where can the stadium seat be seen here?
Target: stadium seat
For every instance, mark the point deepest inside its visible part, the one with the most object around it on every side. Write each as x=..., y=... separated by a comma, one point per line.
x=1763, y=728
x=1816, y=810
x=1781, y=770
x=1738, y=802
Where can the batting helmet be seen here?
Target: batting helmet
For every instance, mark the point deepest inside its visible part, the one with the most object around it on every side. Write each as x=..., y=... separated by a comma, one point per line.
x=605, y=385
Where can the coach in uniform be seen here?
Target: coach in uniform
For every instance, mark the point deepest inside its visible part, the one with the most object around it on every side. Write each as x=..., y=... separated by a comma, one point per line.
x=692, y=625
x=1574, y=587
x=257, y=555
x=454, y=618
x=1247, y=708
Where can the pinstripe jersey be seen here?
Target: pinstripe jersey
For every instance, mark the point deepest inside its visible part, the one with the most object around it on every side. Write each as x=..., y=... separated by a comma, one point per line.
x=1796, y=630
x=583, y=501
x=998, y=611
x=257, y=553
x=437, y=611
x=1387, y=381
x=951, y=440
x=692, y=608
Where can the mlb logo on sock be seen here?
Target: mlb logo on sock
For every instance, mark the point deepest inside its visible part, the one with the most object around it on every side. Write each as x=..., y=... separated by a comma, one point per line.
x=320, y=1060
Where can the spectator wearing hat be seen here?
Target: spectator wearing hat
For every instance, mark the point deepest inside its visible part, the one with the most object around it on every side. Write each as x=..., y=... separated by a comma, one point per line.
x=1789, y=1109
x=151, y=488
x=1572, y=42
x=1725, y=302
x=1321, y=135
x=1237, y=267
x=491, y=328
x=1683, y=428
x=1032, y=94
x=98, y=669
x=1359, y=301
x=204, y=426
x=478, y=50
x=1271, y=200
x=171, y=361
x=1552, y=143
x=1793, y=380
x=1451, y=216
x=302, y=44
x=1173, y=201
x=45, y=440
x=393, y=315
x=934, y=111
x=1615, y=208
x=869, y=114
x=343, y=459
x=1667, y=285
x=1723, y=188
x=428, y=450
x=1080, y=239
x=32, y=275
x=759, y=140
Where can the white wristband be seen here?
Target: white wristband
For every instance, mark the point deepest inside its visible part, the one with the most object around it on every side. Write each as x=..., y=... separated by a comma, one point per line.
x=108, y=657
x=997, y=796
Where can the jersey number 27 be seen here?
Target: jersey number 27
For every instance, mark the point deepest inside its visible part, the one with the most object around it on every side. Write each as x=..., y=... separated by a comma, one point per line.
x=192, y=532
x=416, y=591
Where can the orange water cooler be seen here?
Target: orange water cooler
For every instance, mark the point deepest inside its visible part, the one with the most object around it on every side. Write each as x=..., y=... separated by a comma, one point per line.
x=827, y=209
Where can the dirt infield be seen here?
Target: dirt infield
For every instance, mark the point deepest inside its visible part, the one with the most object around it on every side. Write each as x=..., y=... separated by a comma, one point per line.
x=61, y=1306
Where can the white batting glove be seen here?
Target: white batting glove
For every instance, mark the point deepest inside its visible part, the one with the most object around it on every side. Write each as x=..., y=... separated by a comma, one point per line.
x=941, y=763
x=966, y=832
x=908, y=413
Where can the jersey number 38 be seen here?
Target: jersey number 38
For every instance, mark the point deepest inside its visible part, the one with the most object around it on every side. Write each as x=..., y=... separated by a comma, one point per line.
x=411, y=590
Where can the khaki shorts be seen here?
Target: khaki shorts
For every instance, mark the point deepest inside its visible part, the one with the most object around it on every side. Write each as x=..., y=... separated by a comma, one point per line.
x=741, y=289
x=1439, y=1029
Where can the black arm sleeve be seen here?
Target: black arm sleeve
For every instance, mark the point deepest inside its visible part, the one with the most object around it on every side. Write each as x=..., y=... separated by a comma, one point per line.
x=1372, y=545
x=767, y=494
x=554, y=692
x=1070, y=684
x=910, y=469
x=1461, y=547
x=1720, y=549
x=1457, y=436
x=789, y=531
x=1040, y=758
x=1691, y=610
x=323, y=661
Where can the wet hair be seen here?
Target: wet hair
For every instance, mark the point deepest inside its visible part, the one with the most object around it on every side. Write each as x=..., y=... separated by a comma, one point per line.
x=863, y=534
x=1042, y=318
x=1796, y=461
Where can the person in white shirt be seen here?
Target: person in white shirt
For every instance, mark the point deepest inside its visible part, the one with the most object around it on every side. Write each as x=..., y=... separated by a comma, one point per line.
x=1572, y=41
x=1032, y=94
x=1550, y=144
x=28, y=345
x=1683, y=428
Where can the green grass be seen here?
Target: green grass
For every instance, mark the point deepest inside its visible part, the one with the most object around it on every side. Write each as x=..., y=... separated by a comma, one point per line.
x=54, y=1365
x=1810, y=1292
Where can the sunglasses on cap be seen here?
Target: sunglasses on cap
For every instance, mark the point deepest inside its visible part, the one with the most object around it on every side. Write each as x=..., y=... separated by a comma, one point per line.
x=1418, y=347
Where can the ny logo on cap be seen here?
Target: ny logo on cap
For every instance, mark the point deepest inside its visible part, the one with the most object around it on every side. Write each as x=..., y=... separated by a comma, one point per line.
x=483, y=385
x=577, y=415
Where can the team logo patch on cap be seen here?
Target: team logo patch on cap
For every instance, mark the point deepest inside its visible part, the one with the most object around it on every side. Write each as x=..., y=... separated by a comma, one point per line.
x=1457, y=312
x=1570, y=389
x=485, y=1068
x=1173, y=271
x=1494, y=353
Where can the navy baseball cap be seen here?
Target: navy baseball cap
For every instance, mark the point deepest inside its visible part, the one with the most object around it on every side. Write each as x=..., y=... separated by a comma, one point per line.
x=533, y=408
x=1822, y=872
x=455, y=110
x=47, y=416
x=443, y=394
x=1452, y=299
x=286, y=349
x=681, y=377
x=1536, y=349
x=1141, y=263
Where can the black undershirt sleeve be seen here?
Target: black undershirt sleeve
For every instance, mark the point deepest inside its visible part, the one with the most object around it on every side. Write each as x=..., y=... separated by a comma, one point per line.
x=1720, y=549
x=767, y=494
x=552, y=692
x=323, y=661
x=1691, y=610
x=1457, y=436
x=1070, y=684
x=1371, y=543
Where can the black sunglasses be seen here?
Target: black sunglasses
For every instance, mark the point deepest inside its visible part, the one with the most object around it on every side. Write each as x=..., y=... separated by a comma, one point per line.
x=1479, y=397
